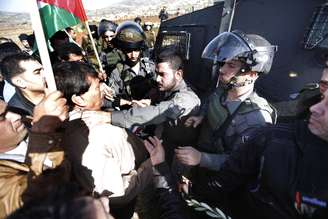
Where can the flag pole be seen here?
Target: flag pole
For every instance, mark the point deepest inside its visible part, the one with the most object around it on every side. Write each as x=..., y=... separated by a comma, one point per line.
x=93, y=45
x=42, y=46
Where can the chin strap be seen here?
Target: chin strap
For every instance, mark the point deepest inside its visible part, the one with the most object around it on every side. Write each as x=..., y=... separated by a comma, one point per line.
x=234, y=84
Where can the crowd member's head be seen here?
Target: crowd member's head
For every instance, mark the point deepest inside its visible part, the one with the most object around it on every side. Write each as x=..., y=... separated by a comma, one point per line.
x=82, y=208
x=138, y=20
x=58, y=39
x=240, y=57
x=71, y=32
x=24, y=40
x=24, y=72
x=130, y=38
x=106, y=31
x=94, y=31
x=148, y=26
x=70, y=52
x=7, y=49
x=12, y=129
x=169, y=69
x=80, y=85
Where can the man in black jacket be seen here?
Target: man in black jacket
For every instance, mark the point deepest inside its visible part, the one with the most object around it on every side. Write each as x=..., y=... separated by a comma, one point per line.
x=280, y=172
x=24, y=73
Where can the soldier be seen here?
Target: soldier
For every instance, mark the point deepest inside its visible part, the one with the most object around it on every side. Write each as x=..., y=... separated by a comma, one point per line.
x=163, y=15
x=109, y=55
x=234, y=109
x=134, y=77
x=150, y=34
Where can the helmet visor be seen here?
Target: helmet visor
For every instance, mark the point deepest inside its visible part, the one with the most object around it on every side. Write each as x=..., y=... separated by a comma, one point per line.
x=226, y=46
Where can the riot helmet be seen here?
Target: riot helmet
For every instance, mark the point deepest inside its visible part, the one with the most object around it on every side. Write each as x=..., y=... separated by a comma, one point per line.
x=106, y=25
x=253, y=50
x=129, y=36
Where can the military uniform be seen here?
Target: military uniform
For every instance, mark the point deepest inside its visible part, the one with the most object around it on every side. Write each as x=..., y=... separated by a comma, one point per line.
x=228, y=123
x=125, y=84
x=150, y=38
x=109, y=58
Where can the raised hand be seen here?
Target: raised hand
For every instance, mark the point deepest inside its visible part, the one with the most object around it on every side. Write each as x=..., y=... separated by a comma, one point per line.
x=155, y=149
x=49, y=113
x=188, y=155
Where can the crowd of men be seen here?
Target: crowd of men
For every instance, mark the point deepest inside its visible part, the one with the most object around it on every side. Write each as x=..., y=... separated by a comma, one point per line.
x=136, y=137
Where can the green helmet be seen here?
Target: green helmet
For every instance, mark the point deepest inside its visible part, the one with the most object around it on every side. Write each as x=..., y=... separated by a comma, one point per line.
x=106, y=25
x=130, y=36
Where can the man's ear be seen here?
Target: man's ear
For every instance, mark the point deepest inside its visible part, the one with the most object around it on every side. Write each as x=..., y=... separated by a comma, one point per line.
x=78, y=100
x=179, y=74
x=18, y=82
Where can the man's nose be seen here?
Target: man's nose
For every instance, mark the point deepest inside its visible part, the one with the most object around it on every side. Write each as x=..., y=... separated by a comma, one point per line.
x=158, y=78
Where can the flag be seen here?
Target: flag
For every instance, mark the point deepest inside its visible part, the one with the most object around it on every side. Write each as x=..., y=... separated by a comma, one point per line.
x=58, y=14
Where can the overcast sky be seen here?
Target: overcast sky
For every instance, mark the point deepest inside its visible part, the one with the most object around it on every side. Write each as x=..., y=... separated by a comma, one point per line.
x=22, y=5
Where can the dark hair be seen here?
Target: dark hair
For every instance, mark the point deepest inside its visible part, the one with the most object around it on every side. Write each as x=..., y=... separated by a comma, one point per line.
x=137, y=20
x=172, y=57
x=81, y=207
x=31, y=39
x=7, y=49
x=58, y=38
x=10, y=65
x=23, y=36
x=68, y=29
x=68, y=48
x=71, y=78
x=94, y=31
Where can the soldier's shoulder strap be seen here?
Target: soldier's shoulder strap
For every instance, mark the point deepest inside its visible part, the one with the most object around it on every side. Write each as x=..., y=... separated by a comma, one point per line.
x=254, y=102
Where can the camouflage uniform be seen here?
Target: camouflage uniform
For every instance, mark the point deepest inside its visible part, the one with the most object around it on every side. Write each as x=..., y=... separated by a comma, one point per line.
x=150, y=38
x=110, y=57
x=123, y=80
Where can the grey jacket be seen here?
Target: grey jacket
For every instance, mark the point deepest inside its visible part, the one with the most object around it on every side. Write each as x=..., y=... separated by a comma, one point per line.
x=179, y=102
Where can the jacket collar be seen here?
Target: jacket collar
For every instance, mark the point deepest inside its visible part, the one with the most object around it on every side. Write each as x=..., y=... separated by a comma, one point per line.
x=305, y=138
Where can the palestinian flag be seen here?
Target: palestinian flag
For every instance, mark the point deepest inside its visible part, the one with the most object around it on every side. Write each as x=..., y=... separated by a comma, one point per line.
x=58, y=14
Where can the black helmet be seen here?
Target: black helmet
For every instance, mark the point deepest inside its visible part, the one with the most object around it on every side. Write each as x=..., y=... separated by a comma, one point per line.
x=129, y=35
x=106, y=25
x=254, y=50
